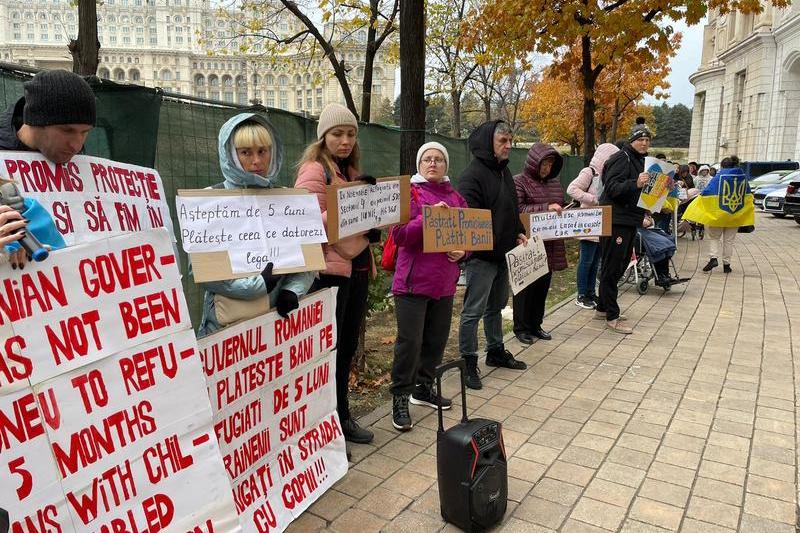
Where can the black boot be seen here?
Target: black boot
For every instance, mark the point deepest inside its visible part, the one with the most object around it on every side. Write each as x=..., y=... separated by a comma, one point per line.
x=355, y=433
x=473, y=378
x=712, y=263
x=501, y=357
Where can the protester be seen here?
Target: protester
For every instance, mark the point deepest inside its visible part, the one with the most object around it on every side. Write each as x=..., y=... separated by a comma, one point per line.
x=250, y=156
x=693, y=168
x=623, y=178
x=662, y=157
x=585, y=188
x=487, y=184
x=53, y=117
x=424, y=285
x=725, y=205
x=684, y=178
x=539, y=190
x=660, y=248
x=703, y=177
x=712, y=171
x=334, y=159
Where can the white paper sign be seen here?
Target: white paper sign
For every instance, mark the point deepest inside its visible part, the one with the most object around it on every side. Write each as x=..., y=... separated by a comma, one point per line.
x=526, y=263
x=90, y=198
x=90, y=301
x=271, y=382
x=253, y=229
x=363, y=207
x=549, y=225
x=654, y=193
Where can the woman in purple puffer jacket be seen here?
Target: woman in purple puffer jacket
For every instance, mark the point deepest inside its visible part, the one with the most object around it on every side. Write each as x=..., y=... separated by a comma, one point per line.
x=539, y=189
x=423, y=287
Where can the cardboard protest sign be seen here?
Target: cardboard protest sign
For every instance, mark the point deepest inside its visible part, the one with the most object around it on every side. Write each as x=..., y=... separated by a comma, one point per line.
x=526, y=263
x=97, y=345
x=90, y=198
x=358, y=207
x=654, y=193
x=454, y=228
x=271, y=382
x=585, y=222
x=233, y=233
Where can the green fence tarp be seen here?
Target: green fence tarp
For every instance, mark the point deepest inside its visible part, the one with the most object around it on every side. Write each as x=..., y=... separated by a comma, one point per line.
x=178, y=137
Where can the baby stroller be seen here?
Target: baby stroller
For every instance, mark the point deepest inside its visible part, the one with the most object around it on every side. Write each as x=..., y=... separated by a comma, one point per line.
x=684, y=226
x=652, y=260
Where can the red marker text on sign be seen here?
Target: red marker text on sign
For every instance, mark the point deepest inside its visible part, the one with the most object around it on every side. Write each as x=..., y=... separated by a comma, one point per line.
x=300, y=487
x=326, y=338
x=125, y=181
x=92, y=389
x=13, y=365
x=312, y=380
x=127, y=216
x=107, y=491
x=62, y=216
x=293, y=422
x=149, y=313
x=45, y=519
x=26, y=418
x=248, y=379
x=69, y=338
x=247, y=454
x=44, y=176
x=239, y=422
x=318, y=437
x=164, y=459
x=30, y=294
x=116, y=431
x=232, y=350
x=298, y=322
x=139, y=370
x=158, y=514
x=96, y=217
x=112, y=272
x=252, y=487
x=301, y=352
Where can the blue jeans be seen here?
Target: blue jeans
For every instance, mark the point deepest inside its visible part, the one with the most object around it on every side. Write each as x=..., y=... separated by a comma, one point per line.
x=587, y=268
x=486, y=295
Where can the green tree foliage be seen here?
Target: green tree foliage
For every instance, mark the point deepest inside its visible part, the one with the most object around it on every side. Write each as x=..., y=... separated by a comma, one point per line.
x=673, y=125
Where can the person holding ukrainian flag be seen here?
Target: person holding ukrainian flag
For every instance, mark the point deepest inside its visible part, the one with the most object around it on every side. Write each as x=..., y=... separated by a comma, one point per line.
x=724, y=205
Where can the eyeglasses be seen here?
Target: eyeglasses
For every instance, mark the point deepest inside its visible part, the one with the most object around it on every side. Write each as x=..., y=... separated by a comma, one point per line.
x=432, y=160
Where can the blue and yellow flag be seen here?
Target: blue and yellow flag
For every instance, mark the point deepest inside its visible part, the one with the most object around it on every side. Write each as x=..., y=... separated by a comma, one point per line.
x=726, y=202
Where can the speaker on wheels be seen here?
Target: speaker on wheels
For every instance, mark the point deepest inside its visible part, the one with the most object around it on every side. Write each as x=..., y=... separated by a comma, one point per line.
x=471, y=465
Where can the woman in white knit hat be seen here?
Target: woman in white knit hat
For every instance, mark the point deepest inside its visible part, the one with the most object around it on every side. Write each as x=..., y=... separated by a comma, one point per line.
x=333, y=159
x=424, y=286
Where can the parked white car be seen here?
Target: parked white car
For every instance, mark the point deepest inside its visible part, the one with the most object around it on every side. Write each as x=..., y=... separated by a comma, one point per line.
x=773, y=202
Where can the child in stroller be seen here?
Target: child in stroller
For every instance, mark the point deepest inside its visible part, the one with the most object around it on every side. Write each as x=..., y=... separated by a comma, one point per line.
x=654, y=250
x=684, y=226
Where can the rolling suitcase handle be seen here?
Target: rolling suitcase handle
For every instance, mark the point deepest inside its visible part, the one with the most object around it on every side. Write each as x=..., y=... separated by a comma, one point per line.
x=441, y=369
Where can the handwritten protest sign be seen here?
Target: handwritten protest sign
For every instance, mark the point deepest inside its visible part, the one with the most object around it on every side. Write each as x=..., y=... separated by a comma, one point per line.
x=90, y=198
x=654, y=193
x=271, y=382
x=452, y=228
x=92, y=360
x=356, y=207
x=586, y=222
x=235, y=232
x=526, y=263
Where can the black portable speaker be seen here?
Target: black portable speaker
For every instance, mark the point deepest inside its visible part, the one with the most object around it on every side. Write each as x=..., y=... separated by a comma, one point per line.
x=471, y=466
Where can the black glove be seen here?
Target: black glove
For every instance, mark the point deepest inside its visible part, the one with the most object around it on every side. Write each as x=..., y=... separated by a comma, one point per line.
x=286, y=303
x=374, y=235
x=367, y=178
x=270, y=280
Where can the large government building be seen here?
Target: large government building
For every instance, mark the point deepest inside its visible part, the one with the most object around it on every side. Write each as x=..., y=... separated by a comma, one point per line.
x=747, y=88
x=179, y=45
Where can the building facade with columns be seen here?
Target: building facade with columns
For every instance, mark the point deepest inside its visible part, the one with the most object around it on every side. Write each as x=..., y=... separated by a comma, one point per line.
x=747, y=88
x=180, y=45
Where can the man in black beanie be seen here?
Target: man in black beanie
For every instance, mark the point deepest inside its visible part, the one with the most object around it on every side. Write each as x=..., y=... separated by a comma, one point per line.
x=54, y=117
x=623, y=179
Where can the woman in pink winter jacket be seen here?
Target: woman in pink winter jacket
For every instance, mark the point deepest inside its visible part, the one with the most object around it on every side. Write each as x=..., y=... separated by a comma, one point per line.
x=332, y=160
x=585, y=189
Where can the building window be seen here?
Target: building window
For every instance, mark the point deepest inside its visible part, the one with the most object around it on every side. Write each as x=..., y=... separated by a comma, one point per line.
x=309, y=99
x=299, y=100
x=113, y=39
x=319, y=98
x=227, y=96
x=153, y=40
x=178, y=40
x=270, y=99
x=134, y=75
x=214, y=95
x=283, y=81
x=140, y=40
x=284, y=102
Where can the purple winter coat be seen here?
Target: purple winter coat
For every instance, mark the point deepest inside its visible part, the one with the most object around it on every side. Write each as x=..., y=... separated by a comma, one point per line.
x=430, y=274
x=535, y=194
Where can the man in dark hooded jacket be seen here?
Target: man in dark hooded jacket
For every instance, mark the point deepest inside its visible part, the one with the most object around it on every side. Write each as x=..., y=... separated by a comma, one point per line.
x=487, y=184
x=623, y=179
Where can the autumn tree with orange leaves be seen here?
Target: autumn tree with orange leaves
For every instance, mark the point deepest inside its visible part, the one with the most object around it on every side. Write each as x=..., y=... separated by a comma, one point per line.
x=630, y=30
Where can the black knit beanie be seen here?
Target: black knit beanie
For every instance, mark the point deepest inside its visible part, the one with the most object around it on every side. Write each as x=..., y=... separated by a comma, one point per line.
x=58, y=97
x=639, y=131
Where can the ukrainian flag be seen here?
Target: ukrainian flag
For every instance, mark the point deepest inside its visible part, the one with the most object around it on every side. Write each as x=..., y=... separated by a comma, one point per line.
x=726, y=202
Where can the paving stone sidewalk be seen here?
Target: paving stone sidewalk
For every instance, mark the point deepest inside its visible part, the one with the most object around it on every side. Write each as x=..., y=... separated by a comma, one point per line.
x=690, y=424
